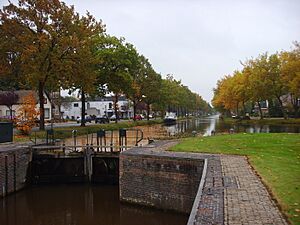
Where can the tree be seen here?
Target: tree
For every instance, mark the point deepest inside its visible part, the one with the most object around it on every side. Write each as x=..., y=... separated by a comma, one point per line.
x=117, y=61
x=226, y=94
x=150, y=87
x=27, y=114
x=9, y=99
x=42, y=36
x=83, y=63
x=263, y=78
x=278, y=87
x=291, y=76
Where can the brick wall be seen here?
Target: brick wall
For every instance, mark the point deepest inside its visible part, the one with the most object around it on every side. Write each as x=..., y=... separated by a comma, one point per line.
x=13, y=169
x=161, y=180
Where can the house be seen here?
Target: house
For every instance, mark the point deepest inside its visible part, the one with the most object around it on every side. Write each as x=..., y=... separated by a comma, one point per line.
x=5, y=112
x=97, y=107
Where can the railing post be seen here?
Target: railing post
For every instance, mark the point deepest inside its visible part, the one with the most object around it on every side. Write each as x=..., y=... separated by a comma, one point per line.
x=122, y=137
x=101, y=135
x=88, y=167
x=111, y=140
x=74, y=134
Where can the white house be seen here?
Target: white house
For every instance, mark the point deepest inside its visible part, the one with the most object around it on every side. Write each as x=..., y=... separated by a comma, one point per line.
x=97, y=107
x=5, y=112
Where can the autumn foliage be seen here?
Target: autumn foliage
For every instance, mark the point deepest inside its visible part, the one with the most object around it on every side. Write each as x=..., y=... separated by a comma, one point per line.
x=275, y=78
x=27, y=114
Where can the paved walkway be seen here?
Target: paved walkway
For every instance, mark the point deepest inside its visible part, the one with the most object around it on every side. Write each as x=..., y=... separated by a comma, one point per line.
x=246, y=200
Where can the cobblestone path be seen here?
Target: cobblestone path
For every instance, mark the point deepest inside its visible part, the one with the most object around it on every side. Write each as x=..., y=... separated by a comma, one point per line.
x=246, y=200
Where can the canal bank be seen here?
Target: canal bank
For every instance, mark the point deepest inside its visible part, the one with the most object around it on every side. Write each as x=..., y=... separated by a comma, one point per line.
x=189, y=183
x=14, y=167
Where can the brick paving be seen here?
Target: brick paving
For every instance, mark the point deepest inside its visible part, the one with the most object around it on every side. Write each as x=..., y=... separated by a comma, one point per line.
x=246, y=200
x=232, y=193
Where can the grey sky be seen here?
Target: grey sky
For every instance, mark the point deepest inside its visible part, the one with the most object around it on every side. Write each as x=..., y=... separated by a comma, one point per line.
x=199, y=41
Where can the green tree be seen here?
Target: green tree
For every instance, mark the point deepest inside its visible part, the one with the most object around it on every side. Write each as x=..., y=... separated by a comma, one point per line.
x=82, y=72
x=278, y=87
x=151, y=84
x=117, y=61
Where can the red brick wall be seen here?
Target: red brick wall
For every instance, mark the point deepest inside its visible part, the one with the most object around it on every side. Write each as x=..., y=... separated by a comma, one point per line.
x=159, y=181
x=13, y=170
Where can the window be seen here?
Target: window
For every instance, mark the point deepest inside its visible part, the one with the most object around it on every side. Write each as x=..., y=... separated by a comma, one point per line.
x=47, y=113
x=75, y=104
x=110, y=105
x=8, y=112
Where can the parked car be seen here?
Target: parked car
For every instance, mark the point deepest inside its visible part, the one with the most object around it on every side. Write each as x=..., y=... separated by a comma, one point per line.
x=138, y=117
x=87, y=119
x=113, y=117
x=102, y=119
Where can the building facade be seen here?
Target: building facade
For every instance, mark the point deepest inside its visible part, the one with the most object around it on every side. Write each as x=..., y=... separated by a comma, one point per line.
x=5, y=112
x=99, y=106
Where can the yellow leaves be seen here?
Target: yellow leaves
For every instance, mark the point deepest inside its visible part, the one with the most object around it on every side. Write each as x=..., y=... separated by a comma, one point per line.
x=229, y=91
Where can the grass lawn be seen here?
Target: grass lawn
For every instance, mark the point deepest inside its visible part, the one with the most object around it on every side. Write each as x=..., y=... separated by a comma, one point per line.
x=276, y=157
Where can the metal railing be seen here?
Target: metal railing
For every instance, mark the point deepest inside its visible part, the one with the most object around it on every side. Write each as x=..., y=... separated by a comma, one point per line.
x=100, y=141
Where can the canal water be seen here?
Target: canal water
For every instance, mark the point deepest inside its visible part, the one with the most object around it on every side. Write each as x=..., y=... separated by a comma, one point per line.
x=79, y=205
x=202, y=126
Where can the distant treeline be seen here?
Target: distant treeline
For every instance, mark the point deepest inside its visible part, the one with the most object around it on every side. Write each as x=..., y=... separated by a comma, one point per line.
x=275, y=78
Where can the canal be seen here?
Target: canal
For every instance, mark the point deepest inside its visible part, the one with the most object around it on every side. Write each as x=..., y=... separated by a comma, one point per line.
x=79, y=205
x=205, y=125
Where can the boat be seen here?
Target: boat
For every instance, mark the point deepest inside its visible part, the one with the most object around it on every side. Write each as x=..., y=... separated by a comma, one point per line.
x=170, y=118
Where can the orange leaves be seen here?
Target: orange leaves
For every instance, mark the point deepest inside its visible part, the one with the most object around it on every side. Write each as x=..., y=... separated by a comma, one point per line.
x=27, y=114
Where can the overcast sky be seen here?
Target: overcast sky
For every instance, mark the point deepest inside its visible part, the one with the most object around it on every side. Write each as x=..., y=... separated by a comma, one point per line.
x=199, y=41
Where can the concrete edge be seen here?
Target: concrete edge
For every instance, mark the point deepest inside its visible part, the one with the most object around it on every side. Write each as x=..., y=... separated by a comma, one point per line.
x=177, y=156
x=198, y=196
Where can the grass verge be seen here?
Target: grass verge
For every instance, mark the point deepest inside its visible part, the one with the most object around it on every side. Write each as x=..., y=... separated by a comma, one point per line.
x=265, y=121
x=275, y=157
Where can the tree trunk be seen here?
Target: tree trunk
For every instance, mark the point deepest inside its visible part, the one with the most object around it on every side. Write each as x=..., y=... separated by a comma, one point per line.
x=134, y=110
x=237, y=109
x=42, y=108
x=10, y=112
x=82, y=108
x=116, y=99
x=281, y=107
x=297, y=112
x=148, y=111
x=162, y=114
x=244, y=108
x=260, y=111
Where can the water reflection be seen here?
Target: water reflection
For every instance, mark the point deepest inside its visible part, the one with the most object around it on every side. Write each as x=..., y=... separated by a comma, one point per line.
x=78, y=204
x=205, y=126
